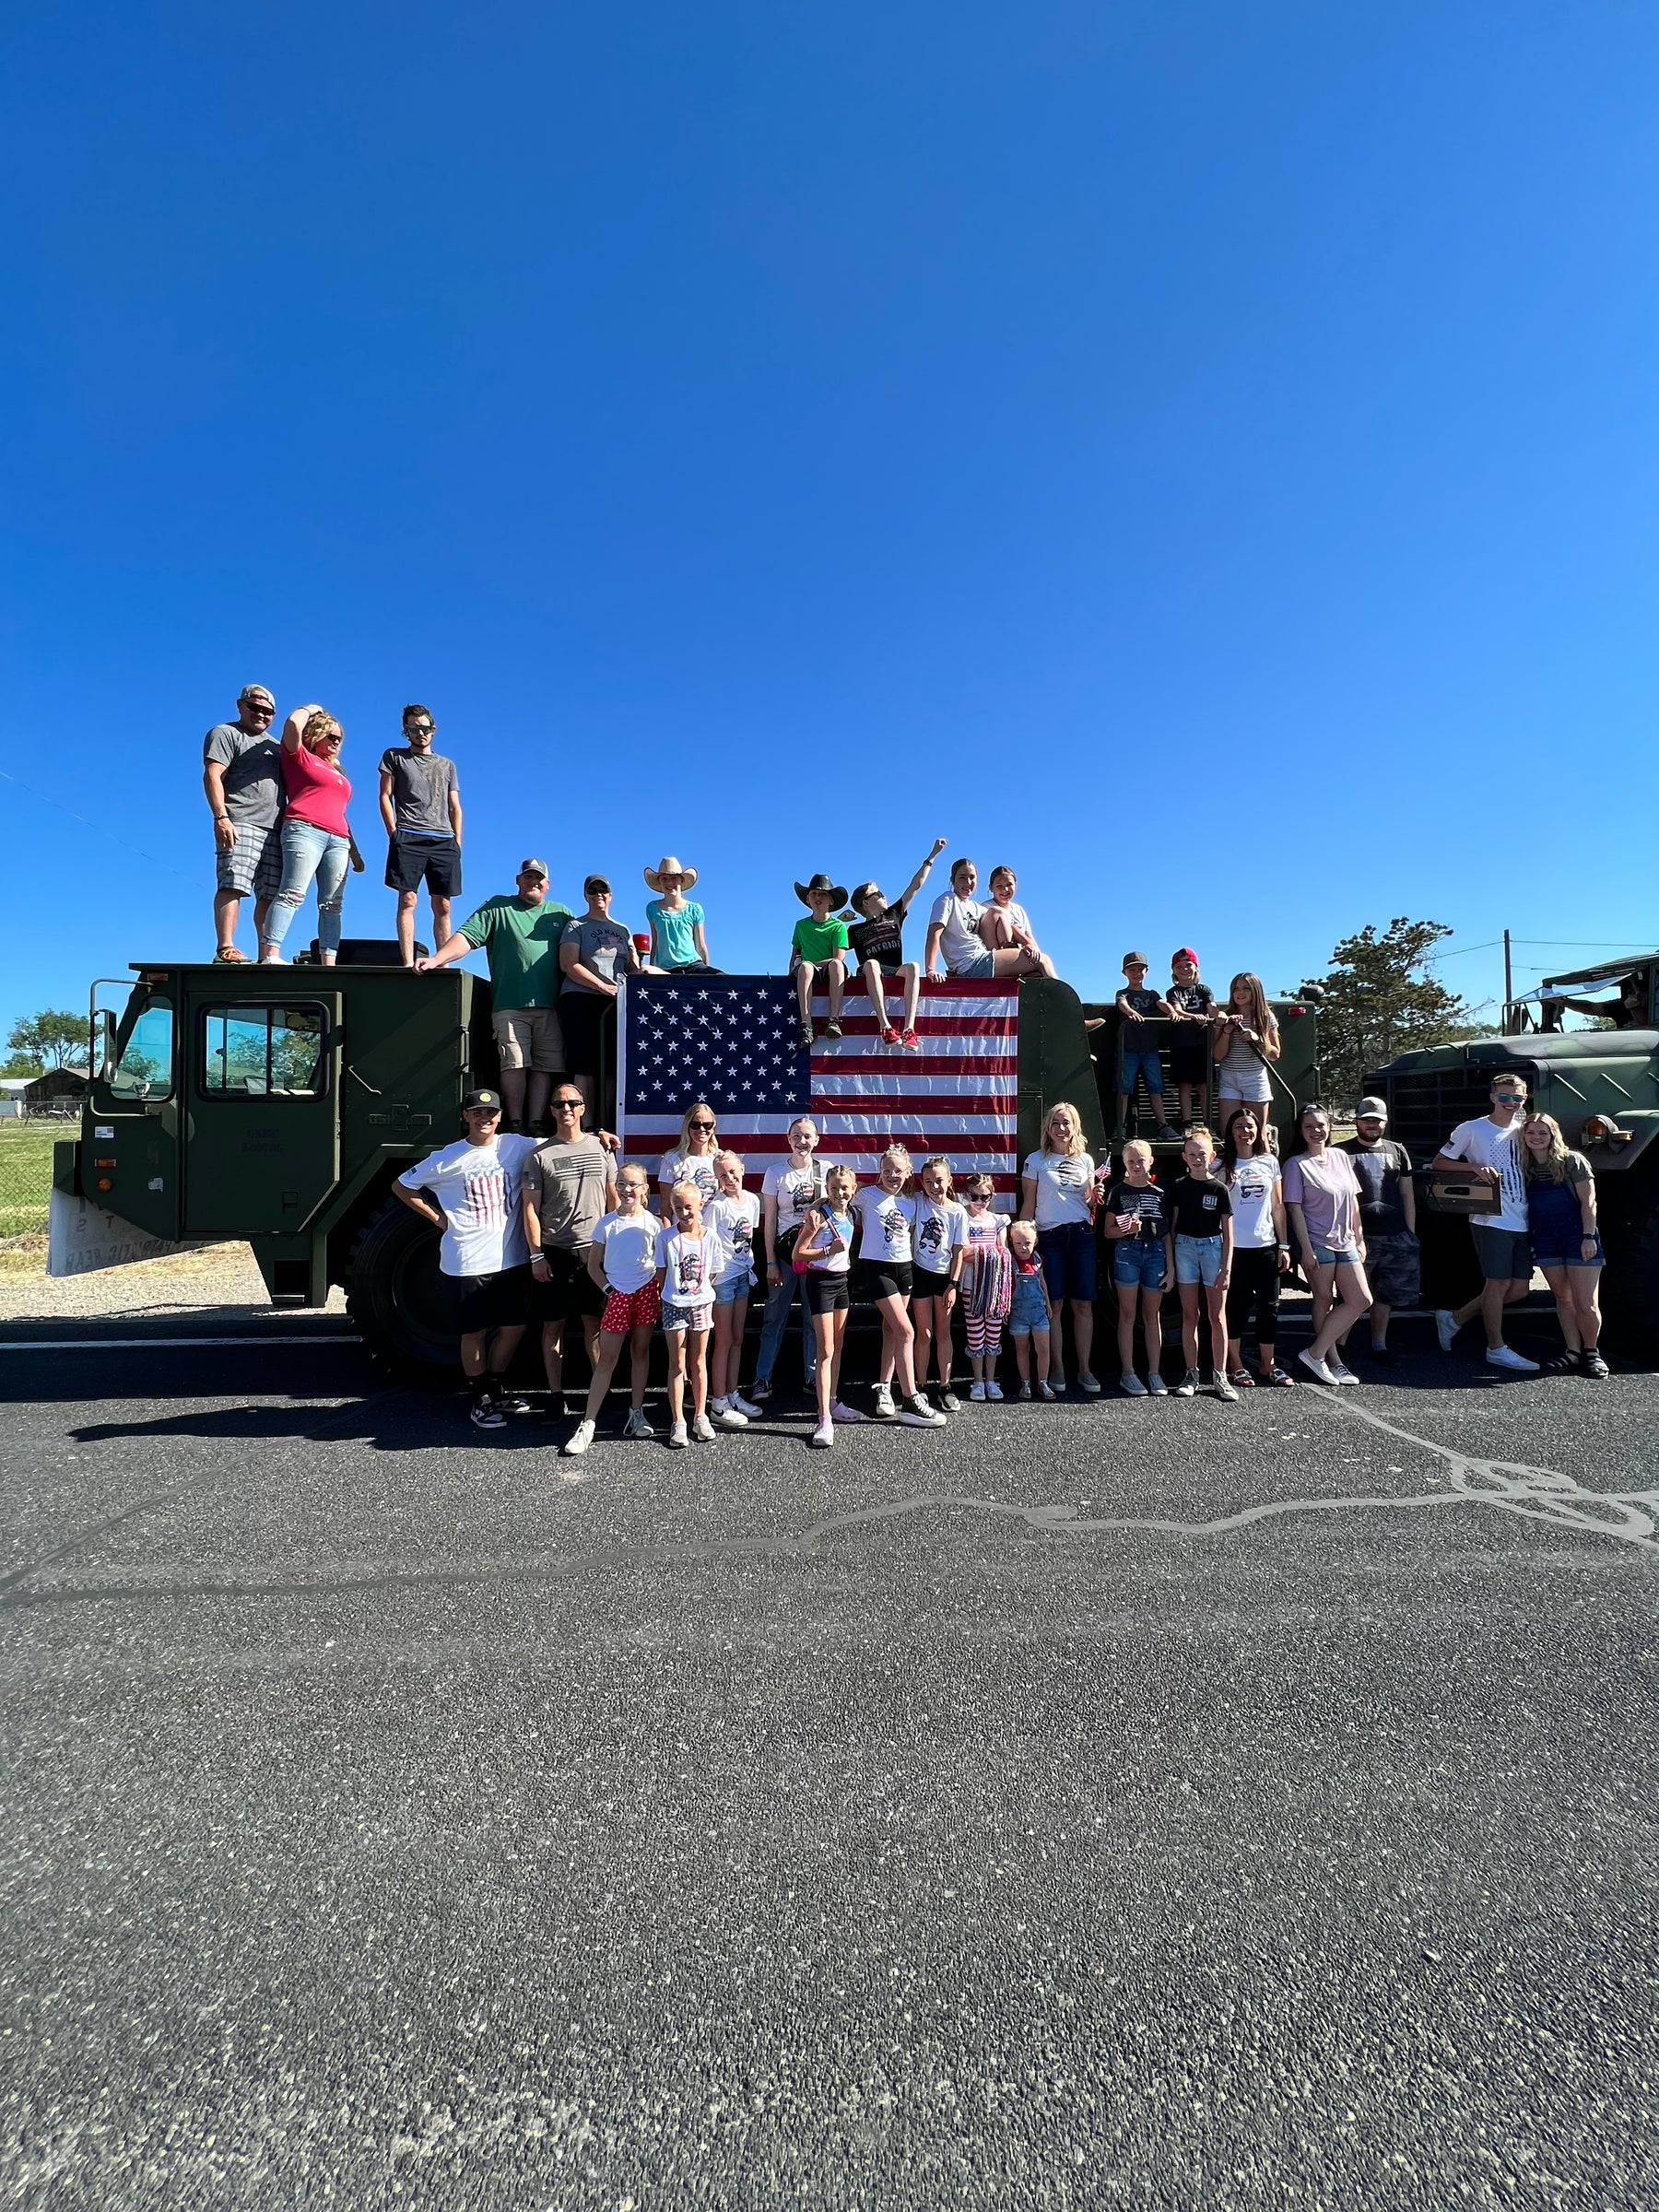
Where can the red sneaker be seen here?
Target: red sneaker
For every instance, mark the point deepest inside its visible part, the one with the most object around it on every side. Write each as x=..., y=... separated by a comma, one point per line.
x=911, y=1042
x=890, y=1035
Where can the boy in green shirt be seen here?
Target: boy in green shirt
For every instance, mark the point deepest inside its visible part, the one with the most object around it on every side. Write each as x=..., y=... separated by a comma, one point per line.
x=816, y=949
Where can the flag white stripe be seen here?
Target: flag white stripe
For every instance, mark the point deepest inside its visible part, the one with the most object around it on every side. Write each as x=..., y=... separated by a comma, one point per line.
x=872, y=1083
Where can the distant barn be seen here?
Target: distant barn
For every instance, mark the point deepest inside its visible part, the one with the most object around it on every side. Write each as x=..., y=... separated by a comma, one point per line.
x=59, y=1091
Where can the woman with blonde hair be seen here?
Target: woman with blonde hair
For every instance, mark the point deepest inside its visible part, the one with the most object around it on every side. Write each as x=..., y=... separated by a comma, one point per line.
x=316, y=837
x=1057, y=1191
x=690, y=1159
x=1247, y=1042
x=1566, y=1242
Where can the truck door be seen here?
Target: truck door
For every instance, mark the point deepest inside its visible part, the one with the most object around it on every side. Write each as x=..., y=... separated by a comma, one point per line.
x=263, y=1142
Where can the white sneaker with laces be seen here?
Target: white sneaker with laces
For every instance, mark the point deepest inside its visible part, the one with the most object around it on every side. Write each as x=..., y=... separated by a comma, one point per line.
x=885, y=1409
x=1344, y=1375
x=1317, y=1367
x=580, y=1441
x=1225, y=1391
x=637, y=1425
x=1499, y=1355
x=1187, y=1385
x=729, y=1417
x=994, y=1391
x=1445, y=1328
x=738, y=1403
x=678, y=1439
x=919, y=1414
x=702, y=1429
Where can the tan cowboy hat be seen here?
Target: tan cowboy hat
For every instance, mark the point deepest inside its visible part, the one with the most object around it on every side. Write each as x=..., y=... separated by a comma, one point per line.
x=820, y=882
x=668, y=866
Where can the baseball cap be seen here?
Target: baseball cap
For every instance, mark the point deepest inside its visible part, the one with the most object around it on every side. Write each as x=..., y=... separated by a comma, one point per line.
x=492, y=1099
x=534, y=867
x=1137, y=958
x=591, y=884
x=1185, y=953
x=1370, y=1106
x=251, y=692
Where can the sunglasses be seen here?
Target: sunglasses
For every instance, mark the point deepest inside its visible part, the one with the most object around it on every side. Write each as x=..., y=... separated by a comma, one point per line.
x=699, y=1125
x=1509, y=1098
x=978, y=1198
x=567, y=1105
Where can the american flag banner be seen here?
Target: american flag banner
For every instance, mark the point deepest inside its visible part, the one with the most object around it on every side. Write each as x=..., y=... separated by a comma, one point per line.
x=732, y=1040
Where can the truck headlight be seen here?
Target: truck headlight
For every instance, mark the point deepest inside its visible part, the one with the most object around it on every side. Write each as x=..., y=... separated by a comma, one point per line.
x=1602, y=1129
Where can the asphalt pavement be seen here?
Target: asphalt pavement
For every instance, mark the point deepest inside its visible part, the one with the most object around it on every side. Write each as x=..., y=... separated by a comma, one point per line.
x=1117, y=1802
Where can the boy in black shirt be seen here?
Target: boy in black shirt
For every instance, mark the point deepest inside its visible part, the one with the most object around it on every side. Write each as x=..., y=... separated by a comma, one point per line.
x=1193, y=1006
x=1201, y=1215
x=875, y=936
x=1137, y=1046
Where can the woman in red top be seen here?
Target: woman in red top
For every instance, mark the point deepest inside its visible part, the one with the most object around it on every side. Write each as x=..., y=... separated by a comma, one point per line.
x=316, y=839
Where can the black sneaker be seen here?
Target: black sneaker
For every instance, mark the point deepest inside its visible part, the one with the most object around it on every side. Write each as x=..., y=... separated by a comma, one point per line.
x=1382, y=1355
x=757, y=1391
x=804, y=1036
x=1591, y=1363
x=832, y=1026
x=486, y=1413
x=510, y=1402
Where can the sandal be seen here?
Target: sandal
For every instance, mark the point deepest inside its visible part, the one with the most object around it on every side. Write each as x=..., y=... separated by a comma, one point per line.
x=1277, y=1379
x=229, y=956
x=1241, y=1380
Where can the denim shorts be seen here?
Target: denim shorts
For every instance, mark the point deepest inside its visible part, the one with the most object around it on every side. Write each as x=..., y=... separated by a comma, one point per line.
x=1197, y=1260
x=1547, y=1257
x=1325, y=1257
x=1028, y=1315
x=727, y=1294
x=1067, y=1254
x=1136, y=1261
x=1145, y=1064
x=695, y=1317
x=982, y=964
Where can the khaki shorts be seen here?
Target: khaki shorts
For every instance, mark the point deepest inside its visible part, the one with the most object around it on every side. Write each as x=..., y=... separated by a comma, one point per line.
x=530, y=1037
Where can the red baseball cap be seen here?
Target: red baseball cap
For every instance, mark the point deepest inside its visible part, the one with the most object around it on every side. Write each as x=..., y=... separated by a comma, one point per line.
x=1186, y=953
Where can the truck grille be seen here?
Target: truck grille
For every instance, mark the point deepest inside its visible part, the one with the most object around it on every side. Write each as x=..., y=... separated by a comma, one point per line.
x=1426, y=1104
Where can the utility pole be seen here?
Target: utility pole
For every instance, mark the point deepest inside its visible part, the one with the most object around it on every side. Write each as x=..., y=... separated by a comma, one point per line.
x=1509, y=987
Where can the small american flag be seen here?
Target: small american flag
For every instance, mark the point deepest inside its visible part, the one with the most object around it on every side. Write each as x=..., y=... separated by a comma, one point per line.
x=732, y=1040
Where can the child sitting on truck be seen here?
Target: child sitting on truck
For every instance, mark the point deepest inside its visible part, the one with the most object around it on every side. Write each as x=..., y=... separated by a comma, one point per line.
x=874, y=935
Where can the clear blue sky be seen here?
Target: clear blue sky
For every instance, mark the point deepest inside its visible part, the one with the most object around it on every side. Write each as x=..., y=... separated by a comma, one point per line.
x=1203, y=455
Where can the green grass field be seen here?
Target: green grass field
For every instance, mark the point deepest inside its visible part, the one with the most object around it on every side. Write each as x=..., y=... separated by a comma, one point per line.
x=26, y=1174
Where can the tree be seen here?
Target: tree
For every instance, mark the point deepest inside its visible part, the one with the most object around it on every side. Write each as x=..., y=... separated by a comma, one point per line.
x=50, y=1038
x=1377, y=1004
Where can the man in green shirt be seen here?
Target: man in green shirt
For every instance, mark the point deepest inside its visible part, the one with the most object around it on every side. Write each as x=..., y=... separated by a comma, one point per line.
x=520, y=939
x=816, y=949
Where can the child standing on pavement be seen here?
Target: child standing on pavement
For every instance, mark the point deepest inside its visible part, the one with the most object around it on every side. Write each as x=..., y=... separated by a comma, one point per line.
x=941, y=1242
x=823, y=1257
x=887, y=1218
x=734, y=1216
x=1137, y=1045
x=1201, y=1215
x=623, y=1262
x=689, y=1256
x=1194, y=1005
x=987, y=1277
x=1143, y=1266
x=1029, y=1315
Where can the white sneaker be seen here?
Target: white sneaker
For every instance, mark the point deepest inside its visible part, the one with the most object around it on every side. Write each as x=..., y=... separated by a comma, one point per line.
x=1317, y=1367
x=845, y=1414
x=978, y=1394
x=729, y=1417
x=678, y=1439
x=1500, y=1356
x=702, y=1429
x=637, y=1425
x=1131, y=1385
x=1445, y=1328
x=1088, y=1384
x=994, y=1391
x=580, y=1441
x=1187, y=1385
x=885, y=1409
x=738, y=1403
x=1224, y=1390
x=823, y=1436
x=1344, y=1375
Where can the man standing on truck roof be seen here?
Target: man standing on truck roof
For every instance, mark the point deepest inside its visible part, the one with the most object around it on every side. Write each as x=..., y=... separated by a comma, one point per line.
x=1490, y=1149
x=1388, y=1218
x=241, y=775
x=470, y=1190
x=569, y=1186
x=421, y=804
x=519, y=936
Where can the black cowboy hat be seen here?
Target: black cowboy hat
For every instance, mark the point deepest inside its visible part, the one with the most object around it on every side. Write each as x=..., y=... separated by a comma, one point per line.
x=820, y=882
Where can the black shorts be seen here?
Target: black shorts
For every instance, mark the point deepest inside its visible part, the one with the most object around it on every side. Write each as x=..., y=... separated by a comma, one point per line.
x=436, y=862
x=582, y=1020
x=490, y=1301
x=888, y=1278
x=926, y=1283
x=823, y=1292
x=1254, y=1282
x=567, y=1292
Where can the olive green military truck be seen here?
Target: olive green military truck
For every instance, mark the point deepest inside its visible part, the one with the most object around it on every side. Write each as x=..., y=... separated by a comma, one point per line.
x=1601, y=1084
x=277, y=1105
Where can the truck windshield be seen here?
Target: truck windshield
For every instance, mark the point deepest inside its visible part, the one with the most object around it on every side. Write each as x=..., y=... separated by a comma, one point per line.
x=145, y=1067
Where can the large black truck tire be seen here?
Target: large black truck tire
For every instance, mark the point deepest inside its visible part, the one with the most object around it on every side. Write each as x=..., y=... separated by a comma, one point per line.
x=399, y=1302
x=1628, y=1208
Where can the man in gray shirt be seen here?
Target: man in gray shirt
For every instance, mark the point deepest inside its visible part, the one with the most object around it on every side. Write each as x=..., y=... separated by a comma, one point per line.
x=595, y=955
x=568, y=1185
x=241, y=775
x=421, y=804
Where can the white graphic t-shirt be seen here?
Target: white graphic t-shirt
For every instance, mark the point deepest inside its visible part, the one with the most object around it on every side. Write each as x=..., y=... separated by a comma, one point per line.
x=736, y=1222
x=629, y=1243
x=888, y=1217
x=1063, y=1181
x=693, y=1264
x=477, y=1186
x=1488, y=1146
x=959, y=945
x=695, y=1168
x=941, y=1229
x=1252, y=1189
x=791, y=1187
